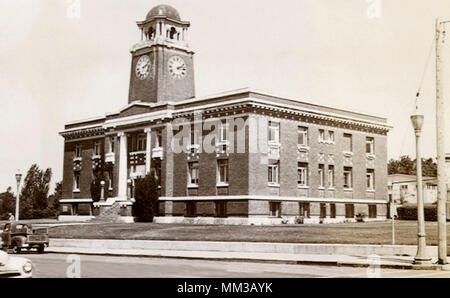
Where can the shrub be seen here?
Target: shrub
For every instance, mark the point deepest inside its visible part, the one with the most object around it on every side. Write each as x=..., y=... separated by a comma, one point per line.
x=409, y=212
x=146, y=196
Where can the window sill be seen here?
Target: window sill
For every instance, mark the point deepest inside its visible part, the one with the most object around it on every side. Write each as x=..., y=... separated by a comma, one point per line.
x=331, y=188
x=303, y=186
x=321, y=188
x=303, y=147
x=76, y=191
x=222, y=185
x=370, y=156
x=96, y=157
x=223, y=143
x=77, y=159
x=192, y=186
x=370, y=190
x=348, y=189
x=274, y=144
x=348, y=153
x=275, y=185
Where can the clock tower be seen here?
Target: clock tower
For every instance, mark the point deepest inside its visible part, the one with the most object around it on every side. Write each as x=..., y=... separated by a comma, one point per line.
x=162, y=67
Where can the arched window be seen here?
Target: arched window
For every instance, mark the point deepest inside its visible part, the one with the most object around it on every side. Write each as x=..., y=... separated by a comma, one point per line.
x=172, y=32
x=151, y=32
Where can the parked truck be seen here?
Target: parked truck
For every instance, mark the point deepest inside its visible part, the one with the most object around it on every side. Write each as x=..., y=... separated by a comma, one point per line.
x=18, y=236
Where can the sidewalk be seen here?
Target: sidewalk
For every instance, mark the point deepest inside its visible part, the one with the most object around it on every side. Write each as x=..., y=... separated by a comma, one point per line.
x=206, y=253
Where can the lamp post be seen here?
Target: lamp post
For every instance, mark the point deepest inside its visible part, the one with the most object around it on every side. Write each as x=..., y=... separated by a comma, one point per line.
x=421, y=258
x=18, y=178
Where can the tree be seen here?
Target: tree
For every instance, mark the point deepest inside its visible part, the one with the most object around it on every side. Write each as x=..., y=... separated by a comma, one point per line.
x=405, y=165
x=34, y=195
x=53, y=200
x=7, y=203
x=146, y=196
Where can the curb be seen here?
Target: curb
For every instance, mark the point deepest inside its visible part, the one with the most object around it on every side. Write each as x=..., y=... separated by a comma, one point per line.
x=253, y=260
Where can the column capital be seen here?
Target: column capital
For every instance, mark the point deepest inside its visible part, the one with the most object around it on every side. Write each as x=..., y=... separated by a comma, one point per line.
x=121, y=134
x=147, y=129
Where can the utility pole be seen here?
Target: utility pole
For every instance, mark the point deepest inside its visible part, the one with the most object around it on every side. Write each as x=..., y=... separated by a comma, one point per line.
x=440, y=134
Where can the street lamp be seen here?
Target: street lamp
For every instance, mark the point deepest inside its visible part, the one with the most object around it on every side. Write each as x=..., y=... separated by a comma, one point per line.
x=18, y=178
x=421, y=258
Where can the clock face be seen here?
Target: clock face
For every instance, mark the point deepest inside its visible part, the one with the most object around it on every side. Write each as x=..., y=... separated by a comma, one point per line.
x=143, y=67
x=177, y=67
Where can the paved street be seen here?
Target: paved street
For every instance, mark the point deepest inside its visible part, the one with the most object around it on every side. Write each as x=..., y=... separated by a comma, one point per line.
x=55, y=266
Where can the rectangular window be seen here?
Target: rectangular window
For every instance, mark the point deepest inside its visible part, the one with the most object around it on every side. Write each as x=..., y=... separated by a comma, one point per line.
x=223, y=131
x=370, y=181
x=302, y=178
x=112, y=143
x=76, y=181
x=191, y=209
x=303, y=136
x=332, y=210
x=372, y=211
x=321, y=173
x=222, y=171
x=348, y=146
x=331, y=176
x=273, y=173
x=404, y=187
x=78, y=150
x=304, y=209
x=96, y=148
x=158, y=139
x=321, y=135
x=192, y=137
x=193, y=173
x=348, y=177
x=370, y=145
x=275, y=209
x=349, y=211
x=323, y=210
x=221, y=209
x=141, y=142
x=274, y=132
x=331, y=136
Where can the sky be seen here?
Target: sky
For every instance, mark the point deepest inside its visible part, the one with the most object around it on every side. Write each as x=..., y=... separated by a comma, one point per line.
x=66, y=60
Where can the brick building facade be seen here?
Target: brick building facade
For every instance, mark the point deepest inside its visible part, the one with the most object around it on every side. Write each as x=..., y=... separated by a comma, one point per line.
x=241, y=157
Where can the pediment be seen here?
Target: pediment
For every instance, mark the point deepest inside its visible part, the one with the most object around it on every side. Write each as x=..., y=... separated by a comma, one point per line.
x=133, y=109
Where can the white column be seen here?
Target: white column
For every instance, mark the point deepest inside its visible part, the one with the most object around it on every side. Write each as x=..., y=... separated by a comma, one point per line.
x=148, y=153
x=123, y=168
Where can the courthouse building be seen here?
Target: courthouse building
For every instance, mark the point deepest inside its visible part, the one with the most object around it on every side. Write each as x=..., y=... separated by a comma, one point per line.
x=240, y=157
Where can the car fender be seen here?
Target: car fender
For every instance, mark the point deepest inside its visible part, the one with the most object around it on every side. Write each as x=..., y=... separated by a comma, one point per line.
x=16, y=264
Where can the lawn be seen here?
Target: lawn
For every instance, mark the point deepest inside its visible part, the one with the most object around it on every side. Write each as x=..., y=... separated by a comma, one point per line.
x=354, y=233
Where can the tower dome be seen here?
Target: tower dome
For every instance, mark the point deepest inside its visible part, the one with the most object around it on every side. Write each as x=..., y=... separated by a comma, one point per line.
x=163, y=10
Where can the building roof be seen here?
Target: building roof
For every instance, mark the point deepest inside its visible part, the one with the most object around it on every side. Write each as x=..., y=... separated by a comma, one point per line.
x=163, y=10
x=137, y=113
x=403, y=178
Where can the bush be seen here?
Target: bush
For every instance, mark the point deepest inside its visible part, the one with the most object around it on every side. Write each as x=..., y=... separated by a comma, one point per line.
x=146, y=196
x=409, y=212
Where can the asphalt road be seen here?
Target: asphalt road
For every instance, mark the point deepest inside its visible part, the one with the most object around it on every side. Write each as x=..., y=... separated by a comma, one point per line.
x=59, y=266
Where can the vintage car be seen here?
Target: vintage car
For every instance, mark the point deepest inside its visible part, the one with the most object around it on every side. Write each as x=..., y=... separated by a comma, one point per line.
x=18, y=236
x=15, y=267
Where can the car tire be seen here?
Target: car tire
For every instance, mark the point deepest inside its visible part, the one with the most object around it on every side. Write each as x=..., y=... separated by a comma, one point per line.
x=40, y=249
x=17, y=250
